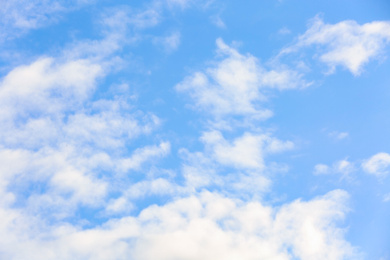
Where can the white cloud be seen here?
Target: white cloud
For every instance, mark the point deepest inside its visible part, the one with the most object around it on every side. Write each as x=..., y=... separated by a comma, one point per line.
x=321, y=169
x=202, y=226
x=201, y=171
x=144, y=19
x=58, y=144
x=343, y=167
x=338, y=135
x=311, y=237
x=17, y=17
x=85, y=189
x=217, y=21
x=142, y=155
x=180, y=3
x=346, y=43
x=51, y=179
x=386, y=198
x=247, y=151
x=48, y=102
x=170, y=42
x=284, y=31
x=233, y=85
x=235, y=165
x=378, y=164
x=47, y=87
x=62, y=151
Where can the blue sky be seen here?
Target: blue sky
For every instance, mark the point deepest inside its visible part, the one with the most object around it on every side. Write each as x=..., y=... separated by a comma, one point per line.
x=184, y=129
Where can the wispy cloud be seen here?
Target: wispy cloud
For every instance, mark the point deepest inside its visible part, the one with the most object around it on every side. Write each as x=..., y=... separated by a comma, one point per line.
x=18, y=17
x=338, y=135
x=343, y=167
x=169, y=43
x=378, y=164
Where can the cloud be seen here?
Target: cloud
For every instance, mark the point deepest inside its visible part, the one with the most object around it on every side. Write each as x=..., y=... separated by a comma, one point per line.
x=233, y=86
x=202, y=226
x=142, y=155
x=343, y=167
x=234, y=166
x=386, y=198
x=180, y=3
x=217, y=21
x=321, y=169
x=68, y=160
x=284, y=31
x=48, y=179
x=20, y=16
x=45, y=86
x=60, y=147
x=346, y=43
x=378, y=164
x=338, y=135
x=245, y=152
x=169, y=43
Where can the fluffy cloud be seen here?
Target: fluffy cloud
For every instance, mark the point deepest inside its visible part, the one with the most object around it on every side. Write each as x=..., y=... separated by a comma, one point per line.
x=233, y=165
x=46, y=86
x=202, y=226
x=233, y=86
x=59, y=145
x=346, y=43
x=246, y=152
x=63, y=152
x=378, y=164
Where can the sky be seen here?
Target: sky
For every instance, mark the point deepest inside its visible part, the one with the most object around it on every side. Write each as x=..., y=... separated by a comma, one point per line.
x=194, y=129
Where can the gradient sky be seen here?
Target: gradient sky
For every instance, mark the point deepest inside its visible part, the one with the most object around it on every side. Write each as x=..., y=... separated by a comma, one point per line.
x=195, y=129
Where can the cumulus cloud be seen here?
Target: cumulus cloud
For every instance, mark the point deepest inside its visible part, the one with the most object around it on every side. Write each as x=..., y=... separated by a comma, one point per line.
x=64, y=150
x=246, y=152
x=202, y=226
x=233, y=165
x=29, y=87
x=233, y=86
x=58, y=144
x=378, y=164
x=347, y=43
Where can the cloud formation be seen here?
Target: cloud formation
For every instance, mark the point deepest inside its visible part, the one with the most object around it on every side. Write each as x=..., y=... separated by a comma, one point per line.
x=347, y=43
x=234, y=85
x=202, y=226
x=378, y=164
x=78, y=182
x=18, y=17
x=343, y=167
